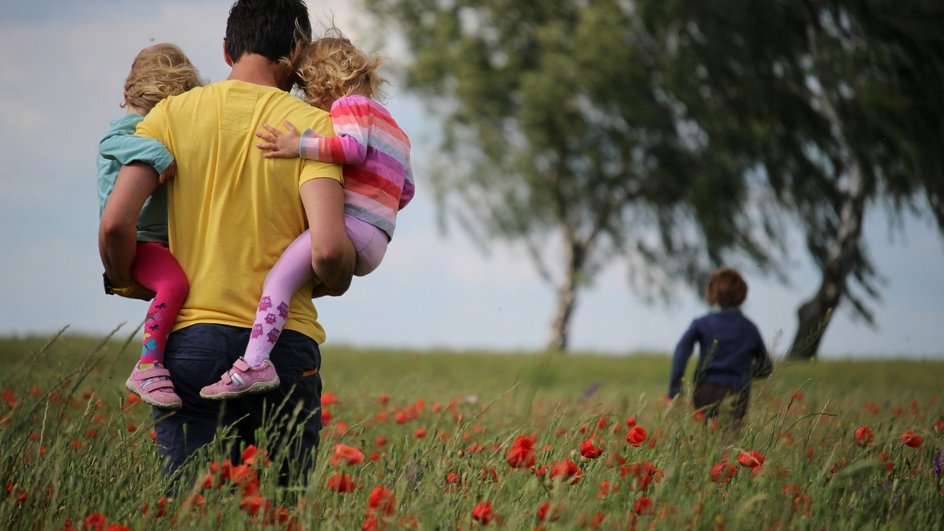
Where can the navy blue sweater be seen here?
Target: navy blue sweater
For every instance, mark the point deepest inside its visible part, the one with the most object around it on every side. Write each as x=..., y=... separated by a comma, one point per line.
x=728, y=343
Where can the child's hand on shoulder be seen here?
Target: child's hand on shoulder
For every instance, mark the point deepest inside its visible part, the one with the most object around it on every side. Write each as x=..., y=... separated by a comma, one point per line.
x=279, y=144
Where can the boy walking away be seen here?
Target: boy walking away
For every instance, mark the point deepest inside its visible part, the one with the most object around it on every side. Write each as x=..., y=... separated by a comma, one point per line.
x=729, y=343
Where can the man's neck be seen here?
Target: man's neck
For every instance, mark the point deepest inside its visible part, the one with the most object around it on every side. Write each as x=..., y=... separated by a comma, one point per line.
x=255, y=68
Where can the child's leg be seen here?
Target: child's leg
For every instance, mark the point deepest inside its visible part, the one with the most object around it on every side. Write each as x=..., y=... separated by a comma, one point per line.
x=287, y=275
x=156, y=269
x=370, y=243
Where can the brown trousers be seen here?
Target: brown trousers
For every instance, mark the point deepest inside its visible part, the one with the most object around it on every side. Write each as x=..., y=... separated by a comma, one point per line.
x=714, y=398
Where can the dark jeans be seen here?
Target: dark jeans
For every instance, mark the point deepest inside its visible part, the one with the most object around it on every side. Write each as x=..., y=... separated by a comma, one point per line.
x=291, y=415
x=710, y=397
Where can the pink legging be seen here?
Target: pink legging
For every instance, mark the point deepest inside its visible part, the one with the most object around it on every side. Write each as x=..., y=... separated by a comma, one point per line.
x=156, y=269
x=294, y=269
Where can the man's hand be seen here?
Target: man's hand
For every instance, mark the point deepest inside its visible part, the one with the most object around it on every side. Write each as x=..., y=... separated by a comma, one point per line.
x=279, y=144
x=131, y=291
x=323, y=291
x=169, y=172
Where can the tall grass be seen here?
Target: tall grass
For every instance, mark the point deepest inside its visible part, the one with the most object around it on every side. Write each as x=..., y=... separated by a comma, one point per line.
x=435, y=429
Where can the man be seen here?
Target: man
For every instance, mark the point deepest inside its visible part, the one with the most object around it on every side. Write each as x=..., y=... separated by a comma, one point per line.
x=231, y=213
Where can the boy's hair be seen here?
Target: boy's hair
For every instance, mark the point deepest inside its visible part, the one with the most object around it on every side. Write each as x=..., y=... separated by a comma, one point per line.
x=157, y=72
x=270, y=28
x=726, y=288
x=331, y=68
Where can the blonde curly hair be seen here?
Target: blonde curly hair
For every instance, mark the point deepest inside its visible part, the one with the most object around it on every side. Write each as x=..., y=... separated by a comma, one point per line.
x=159, y=71
x=331, y=67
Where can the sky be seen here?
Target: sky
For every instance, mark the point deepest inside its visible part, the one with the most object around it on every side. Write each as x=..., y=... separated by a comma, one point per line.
x=60, y=86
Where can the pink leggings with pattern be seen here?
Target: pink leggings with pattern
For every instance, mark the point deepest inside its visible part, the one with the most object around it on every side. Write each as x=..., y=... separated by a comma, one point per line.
x=156, y=269
x=294, y=269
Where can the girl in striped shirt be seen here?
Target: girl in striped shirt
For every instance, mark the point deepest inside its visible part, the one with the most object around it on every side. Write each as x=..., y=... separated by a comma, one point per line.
x=378, y=182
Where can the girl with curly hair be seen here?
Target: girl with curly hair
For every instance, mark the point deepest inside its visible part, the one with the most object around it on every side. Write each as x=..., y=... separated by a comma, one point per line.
x=339, y=78
x=158, y=72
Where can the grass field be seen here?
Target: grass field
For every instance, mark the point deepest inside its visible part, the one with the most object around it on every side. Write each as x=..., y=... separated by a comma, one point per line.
x=446, y=440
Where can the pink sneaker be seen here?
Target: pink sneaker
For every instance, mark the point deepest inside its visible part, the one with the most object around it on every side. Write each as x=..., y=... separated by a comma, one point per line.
x=154, y=387
x=242, y=380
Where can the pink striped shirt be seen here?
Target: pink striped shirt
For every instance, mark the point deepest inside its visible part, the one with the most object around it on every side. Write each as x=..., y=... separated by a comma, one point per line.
x=375, y=152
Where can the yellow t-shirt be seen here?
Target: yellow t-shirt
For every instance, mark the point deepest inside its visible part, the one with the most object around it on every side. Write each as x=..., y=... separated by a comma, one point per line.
x=232, y=212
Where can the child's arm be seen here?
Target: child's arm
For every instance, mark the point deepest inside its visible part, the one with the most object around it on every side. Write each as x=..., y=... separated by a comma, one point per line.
x=278, y=144
x=121, y=145
x=683, y=351
x=351, y=117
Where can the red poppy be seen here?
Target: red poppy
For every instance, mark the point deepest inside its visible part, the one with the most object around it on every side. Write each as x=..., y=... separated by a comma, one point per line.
x=605, y=488
x=521, y=453
x=567, y=470
x=910, y=438
x=636, y=436
x=10, y=398
x=722, y=472
x=348, y=454
x=630, y=422
x=752, y=459
x=328, y=398
x=371, y=522
x=382, y=500
x=420, y=432
x=549, y=512
x=864, y=436
x=644, y=472
x=643, y=505
x=482, y=512
x=588, y=450
x=249, y=454
x=243, y=476
x=341, y=482
x=251, y=504
x=699, y=415
x=95, y=521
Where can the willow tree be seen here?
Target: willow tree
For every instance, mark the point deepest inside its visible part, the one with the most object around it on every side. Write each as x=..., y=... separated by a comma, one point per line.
x=838, y=103
x=877, y=74
x=558, y=136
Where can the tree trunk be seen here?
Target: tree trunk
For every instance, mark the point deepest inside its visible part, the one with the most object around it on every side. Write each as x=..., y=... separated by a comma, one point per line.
x=814, y=314
x=559, y=332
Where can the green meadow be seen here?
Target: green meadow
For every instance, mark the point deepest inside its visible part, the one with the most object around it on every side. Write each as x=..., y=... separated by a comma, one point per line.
x=461, y=440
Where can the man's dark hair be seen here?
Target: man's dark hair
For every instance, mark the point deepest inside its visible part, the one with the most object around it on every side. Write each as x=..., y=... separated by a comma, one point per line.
x=270, y=28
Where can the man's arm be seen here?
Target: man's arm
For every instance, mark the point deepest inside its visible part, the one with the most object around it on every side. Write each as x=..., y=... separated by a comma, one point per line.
x=332, y=253
x=117, y=233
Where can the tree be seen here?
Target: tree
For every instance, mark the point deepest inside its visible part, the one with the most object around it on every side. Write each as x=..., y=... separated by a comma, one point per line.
x=558, y=133
x=878, y=68
x=679, y=135
x=837, y=102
